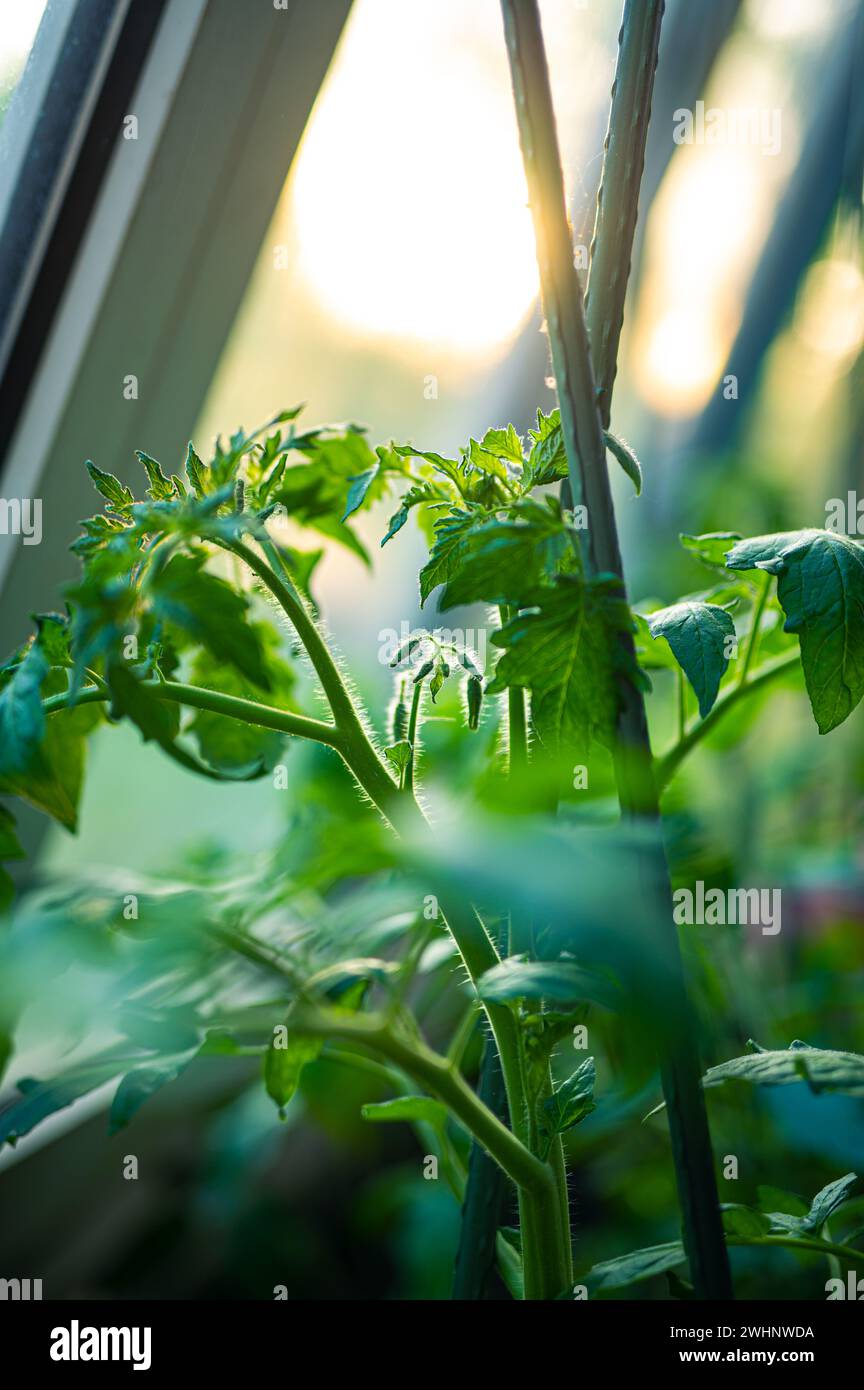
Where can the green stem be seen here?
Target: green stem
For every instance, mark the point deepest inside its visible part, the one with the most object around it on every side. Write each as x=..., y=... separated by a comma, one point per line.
x=462, y=1035
x=821, y=1247
x=582, y=434
x=618, y=198
x=200, y=697
x=486, y=1192
x=753, y=635
x=668, y=764
x=413, y=721
x=435, y=1073
x=356, y=747
x=517, y=729
x=472, y=940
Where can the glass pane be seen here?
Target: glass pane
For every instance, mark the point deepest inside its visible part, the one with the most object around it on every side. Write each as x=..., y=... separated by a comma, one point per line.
x=18, y=24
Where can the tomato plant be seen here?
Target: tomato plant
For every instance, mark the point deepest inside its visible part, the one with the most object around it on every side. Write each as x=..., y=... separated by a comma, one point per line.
x=194, y=619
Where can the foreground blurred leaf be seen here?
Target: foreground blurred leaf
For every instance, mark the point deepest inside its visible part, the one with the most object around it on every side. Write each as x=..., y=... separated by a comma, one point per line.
x=140, y=1084
x=39, y=1099
x=563, y=981
x=41, y=758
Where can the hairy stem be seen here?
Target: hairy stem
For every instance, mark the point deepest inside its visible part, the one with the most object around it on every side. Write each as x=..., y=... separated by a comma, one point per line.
x=475, y=947
x=582, y=432
x=435, y=1073
x=201, y=697
x=413, y=720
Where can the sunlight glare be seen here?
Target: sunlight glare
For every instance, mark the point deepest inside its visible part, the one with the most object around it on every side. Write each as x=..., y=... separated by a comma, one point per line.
x=18, y=24
x=408, y=196
x=830, y=313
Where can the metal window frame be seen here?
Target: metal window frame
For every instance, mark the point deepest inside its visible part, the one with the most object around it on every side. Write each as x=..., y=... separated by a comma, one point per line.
x=164, y=259
x=165, y=254
x=70, y=109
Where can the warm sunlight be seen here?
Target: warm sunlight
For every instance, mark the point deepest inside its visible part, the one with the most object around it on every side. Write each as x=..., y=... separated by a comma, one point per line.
x=408, y=196
x=708, y=222
x=830, y=317
x=19, y=20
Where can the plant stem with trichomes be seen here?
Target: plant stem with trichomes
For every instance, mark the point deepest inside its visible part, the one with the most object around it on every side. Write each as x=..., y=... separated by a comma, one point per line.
x=582, y=431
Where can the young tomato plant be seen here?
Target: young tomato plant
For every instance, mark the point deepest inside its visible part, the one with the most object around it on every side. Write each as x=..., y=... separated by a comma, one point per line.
x=158, y=636
x=173, y=626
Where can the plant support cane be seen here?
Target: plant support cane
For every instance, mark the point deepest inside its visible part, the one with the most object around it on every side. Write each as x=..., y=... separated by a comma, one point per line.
x=582, y=429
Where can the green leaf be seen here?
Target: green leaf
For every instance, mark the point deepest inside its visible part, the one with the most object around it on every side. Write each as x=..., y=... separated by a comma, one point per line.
x=824, y=1069
x=820, y=585
x=503, y=444
x=314, y=492
x=156, y=719
x=399, y=754
x=10, y=845
x=39, y=1099
x=360, y=485
x=698, y=634
x=711, y=548
x=110, y=487
x=547, y=462
x=774, y=1200
x=569, y=1104
x=452, y=539
x=622, y=451
x=739, y=1220
x=502, y=562
x=41, y=759
x=196, y=472
x=562, y=981
x=302, y=565
x=283, y=1066
x=161, y=489
x=625, y=1270
x=412, y=498
x=412, y=1109
x=52, y=637
x=138, y=1085
x=565, y=650
x=231, y=743
x=827, y=1201
x=212, y=612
